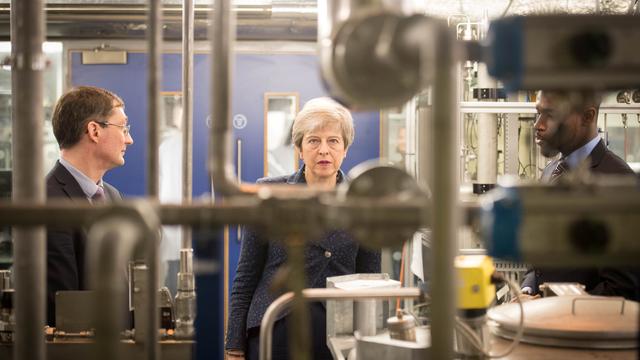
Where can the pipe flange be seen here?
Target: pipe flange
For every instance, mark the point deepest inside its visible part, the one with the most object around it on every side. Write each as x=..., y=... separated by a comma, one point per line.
x=378, y=185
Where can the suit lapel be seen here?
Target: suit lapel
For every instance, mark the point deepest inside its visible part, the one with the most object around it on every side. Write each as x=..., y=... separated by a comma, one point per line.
x=597, y=154
x=69, y=184
x=112, y=193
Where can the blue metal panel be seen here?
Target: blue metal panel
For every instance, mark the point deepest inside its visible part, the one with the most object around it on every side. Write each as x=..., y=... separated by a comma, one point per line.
x=129, y=81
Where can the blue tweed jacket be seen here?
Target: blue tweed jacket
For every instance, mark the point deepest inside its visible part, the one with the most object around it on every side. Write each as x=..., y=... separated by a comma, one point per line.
x=336, y=254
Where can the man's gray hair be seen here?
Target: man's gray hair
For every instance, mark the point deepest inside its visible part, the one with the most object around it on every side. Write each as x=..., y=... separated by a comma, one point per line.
x=318, y=113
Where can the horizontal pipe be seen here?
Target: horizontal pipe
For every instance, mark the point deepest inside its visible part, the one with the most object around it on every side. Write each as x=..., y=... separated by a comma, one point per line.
x=169, y=12
x=295, y=21
x=68, y=214
x=237, y=211
x=278, y=305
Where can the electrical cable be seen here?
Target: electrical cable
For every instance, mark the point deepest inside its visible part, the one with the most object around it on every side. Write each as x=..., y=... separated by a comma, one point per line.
x=476, y=342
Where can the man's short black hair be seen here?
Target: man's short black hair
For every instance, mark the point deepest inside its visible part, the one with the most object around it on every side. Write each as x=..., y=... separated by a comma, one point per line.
x=578, y=100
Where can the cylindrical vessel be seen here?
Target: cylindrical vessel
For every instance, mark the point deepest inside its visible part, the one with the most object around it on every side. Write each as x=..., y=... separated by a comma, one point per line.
x=402, y=327
x=366, y=317
x=487, y=135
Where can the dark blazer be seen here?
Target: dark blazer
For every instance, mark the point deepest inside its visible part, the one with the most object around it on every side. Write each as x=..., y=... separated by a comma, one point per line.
x=598, y=281
x=66, y=247
x=335, y=254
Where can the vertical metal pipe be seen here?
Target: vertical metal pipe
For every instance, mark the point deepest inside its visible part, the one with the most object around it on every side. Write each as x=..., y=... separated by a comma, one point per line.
x=153, y=185
x=487, y=135
x=299, y=321
x=220, y=155
x=111, y=243
x=187, y=112
x=445, y=197
x=28, y=63
x=154, y=83
x=153, y=262
x=239, y=161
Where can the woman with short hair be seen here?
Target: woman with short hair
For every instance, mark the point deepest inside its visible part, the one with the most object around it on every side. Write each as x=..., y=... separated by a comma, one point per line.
x=322, y=133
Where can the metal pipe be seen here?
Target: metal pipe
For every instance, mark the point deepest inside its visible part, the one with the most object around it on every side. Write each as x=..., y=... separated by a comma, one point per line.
x=487, y=162
x=444, y=197
x=299, y=330
x=111, y=242
x=71, y=214
x=154, y=84
x=187, y=112
x=155, y=116
x=278, y=305
x=252, y=211
x=280, y=21
x=239, y=160
x=28, y=64
x=220, y=153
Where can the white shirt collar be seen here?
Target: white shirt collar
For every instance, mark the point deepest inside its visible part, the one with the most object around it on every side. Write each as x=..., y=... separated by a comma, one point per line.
x=580, y=154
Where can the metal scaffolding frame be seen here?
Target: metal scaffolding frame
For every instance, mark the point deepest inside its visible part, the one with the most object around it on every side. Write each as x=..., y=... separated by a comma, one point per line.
x=266, y=206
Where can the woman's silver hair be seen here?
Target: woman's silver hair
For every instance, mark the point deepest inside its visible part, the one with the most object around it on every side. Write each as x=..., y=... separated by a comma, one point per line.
x=318, y=113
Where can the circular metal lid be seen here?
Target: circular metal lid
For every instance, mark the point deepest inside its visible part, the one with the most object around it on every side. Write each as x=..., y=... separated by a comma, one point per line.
x=584, y=321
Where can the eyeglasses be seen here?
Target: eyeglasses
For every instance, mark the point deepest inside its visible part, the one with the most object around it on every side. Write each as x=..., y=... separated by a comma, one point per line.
x=125, y=128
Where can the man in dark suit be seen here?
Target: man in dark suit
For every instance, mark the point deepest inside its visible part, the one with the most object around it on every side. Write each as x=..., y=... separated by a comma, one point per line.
x=92, y=131
x=567, y=124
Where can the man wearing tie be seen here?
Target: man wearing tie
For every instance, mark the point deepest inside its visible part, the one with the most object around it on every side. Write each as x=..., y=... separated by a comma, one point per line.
x=566, y=124
x=92, y=131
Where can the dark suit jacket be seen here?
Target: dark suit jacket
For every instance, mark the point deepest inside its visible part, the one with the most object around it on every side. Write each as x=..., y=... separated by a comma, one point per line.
x=598, y=281
x=336, y=254
x=66, y=247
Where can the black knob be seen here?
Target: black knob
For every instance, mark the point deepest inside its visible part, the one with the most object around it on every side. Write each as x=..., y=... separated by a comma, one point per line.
x=591, y=48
